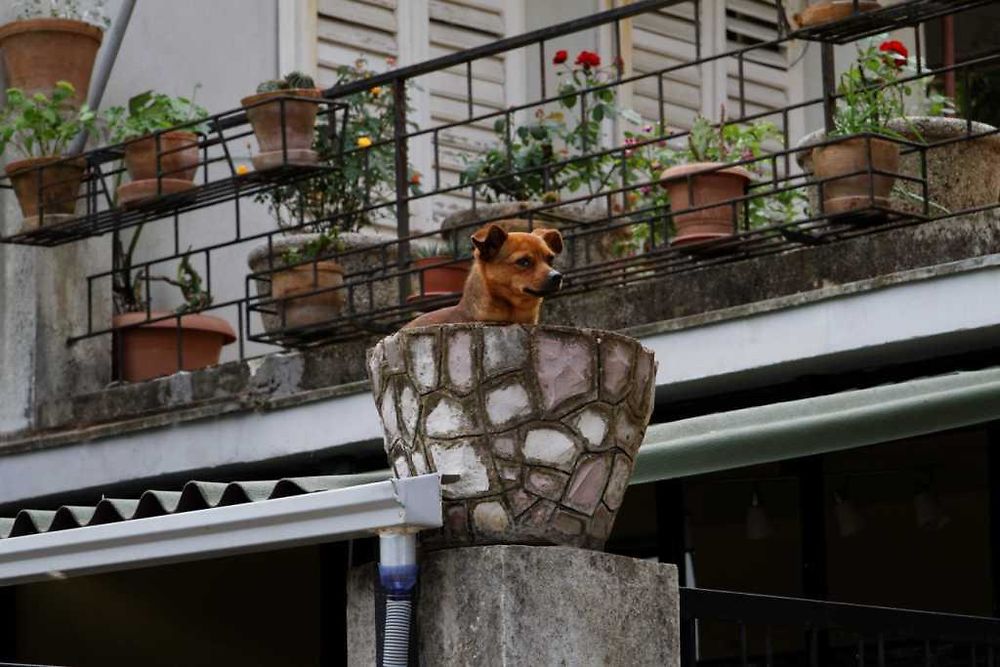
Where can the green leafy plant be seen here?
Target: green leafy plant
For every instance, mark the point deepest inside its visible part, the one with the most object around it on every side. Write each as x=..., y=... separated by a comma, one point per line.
x=726, y=143
x=128, y=290
x=323, y=245
x=550, y=155
x=151, y=112
x=40, y=125
x=361, y=170
x=91, y=11
x=290, y=81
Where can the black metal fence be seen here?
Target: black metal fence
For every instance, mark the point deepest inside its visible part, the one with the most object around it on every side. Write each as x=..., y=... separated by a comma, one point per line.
x=380, y=285
x=727, y=628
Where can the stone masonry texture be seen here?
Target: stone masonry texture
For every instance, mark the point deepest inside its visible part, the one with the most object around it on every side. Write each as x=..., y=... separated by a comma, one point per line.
x=542, y=424
x=520, y=605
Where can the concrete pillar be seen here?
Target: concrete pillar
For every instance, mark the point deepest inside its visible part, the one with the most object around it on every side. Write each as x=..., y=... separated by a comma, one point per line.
x=43, y=301
x=520, y=605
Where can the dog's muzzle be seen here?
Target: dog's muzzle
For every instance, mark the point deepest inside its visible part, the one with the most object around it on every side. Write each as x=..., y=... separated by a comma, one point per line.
x=552, y=284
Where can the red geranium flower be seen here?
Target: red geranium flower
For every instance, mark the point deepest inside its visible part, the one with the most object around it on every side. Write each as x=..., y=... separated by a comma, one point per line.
x=588, y=59
x=895, y=50
x=560, y=57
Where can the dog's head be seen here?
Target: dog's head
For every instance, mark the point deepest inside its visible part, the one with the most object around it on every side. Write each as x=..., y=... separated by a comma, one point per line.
x=518, y=265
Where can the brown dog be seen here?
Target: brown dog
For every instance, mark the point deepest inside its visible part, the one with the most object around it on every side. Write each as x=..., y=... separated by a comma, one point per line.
x=511, y=273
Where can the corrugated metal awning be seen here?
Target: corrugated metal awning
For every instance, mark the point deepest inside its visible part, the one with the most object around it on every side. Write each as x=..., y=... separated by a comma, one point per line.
x=206, y=520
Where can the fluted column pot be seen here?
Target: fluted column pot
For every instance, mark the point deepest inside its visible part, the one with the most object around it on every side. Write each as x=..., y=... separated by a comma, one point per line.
x=541, y=423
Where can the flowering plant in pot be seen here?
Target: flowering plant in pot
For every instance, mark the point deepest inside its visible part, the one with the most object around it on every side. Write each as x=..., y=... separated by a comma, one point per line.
x=160, y=160
x=551, y=156
x=153, y=343
x=323, y=214
x=51, y=41
x=857, y=171
x=697, y=177
x=283, y=121
x=39, y=128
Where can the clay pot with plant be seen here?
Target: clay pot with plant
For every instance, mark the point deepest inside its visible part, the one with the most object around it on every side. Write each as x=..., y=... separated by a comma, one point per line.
x=440, y=271
x=284, y=126
x=153, y=343
x=856, y=171
x=819, y=13
x=160, y=140
x=51, y=43
x=39, y=129
x=324, y=215
x=704, y=189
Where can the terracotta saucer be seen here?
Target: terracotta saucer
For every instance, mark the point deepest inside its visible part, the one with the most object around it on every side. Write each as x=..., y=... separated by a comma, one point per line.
x=145, y=191
x=828, y=12
x=300, y=157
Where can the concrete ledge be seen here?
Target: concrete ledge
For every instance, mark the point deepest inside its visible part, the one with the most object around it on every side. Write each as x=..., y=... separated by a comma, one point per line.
x=518, y=605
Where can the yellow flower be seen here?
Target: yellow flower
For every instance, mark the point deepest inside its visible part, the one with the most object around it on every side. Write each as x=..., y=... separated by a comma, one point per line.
x=364, y=142
x=376, y=91
x=242, y=169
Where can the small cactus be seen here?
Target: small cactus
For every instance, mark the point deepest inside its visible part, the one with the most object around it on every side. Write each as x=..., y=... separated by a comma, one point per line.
x=291, y=81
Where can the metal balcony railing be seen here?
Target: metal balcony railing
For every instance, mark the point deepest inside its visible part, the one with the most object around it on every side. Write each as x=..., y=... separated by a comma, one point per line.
x=382, y=287
x=728, y=628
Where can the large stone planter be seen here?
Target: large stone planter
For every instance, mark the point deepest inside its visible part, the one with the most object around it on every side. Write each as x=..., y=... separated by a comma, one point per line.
x=584, y=240
x=960, y=175
x=367, y=263
x=542, y=424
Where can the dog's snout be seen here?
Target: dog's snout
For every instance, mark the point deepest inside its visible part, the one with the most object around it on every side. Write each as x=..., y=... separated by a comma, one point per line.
x=554, y=280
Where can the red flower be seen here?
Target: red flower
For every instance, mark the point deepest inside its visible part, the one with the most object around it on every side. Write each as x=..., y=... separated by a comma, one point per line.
x=560, y=57
x=588, y=59
x=895, y=50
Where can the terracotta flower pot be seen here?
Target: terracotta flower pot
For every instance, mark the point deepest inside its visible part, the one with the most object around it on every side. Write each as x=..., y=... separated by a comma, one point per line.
x=38, y=53
x=178, y=163
x=296, y=305
x=827, y=12
x=150, y=350
x=364, y=254
x=705, y=189
x=298, y=136
x=52, y=182
x=541, y=424
x=442, y=275
x=843, y=194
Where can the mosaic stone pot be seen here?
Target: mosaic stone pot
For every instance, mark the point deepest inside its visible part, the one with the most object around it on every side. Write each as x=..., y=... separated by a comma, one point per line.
x=541, y=423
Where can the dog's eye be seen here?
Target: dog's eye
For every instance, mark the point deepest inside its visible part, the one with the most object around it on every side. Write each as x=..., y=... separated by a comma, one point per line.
x=550, y=259
x=524, y=262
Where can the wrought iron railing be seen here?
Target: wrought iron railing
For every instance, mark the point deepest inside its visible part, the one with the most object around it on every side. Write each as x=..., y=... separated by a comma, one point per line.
x=383, y=288
x=728, y=628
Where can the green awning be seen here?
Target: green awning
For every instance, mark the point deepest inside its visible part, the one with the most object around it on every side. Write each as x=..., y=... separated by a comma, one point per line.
x=818, y=425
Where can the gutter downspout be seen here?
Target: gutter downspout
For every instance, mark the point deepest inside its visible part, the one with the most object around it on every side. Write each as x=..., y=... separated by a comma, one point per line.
x=110, y=54
x=397, y=569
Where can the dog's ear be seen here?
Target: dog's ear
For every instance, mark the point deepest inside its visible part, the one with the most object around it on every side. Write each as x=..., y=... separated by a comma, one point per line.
x=489, y=240
x=552, y=238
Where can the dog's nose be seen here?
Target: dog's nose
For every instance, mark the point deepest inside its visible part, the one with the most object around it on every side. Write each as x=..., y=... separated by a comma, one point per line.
x=554, y=280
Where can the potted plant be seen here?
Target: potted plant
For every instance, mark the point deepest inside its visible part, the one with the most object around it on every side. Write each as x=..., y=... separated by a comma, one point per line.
x=39, y=128
x=698, y=178
x=154, y=343
x=322, y=216
x=305, y=284
x=857, y=172
x=53, y=41
x=290, y=143
x=160, y=160
x=441, y=271
x=550, y=157
x=958, y=151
